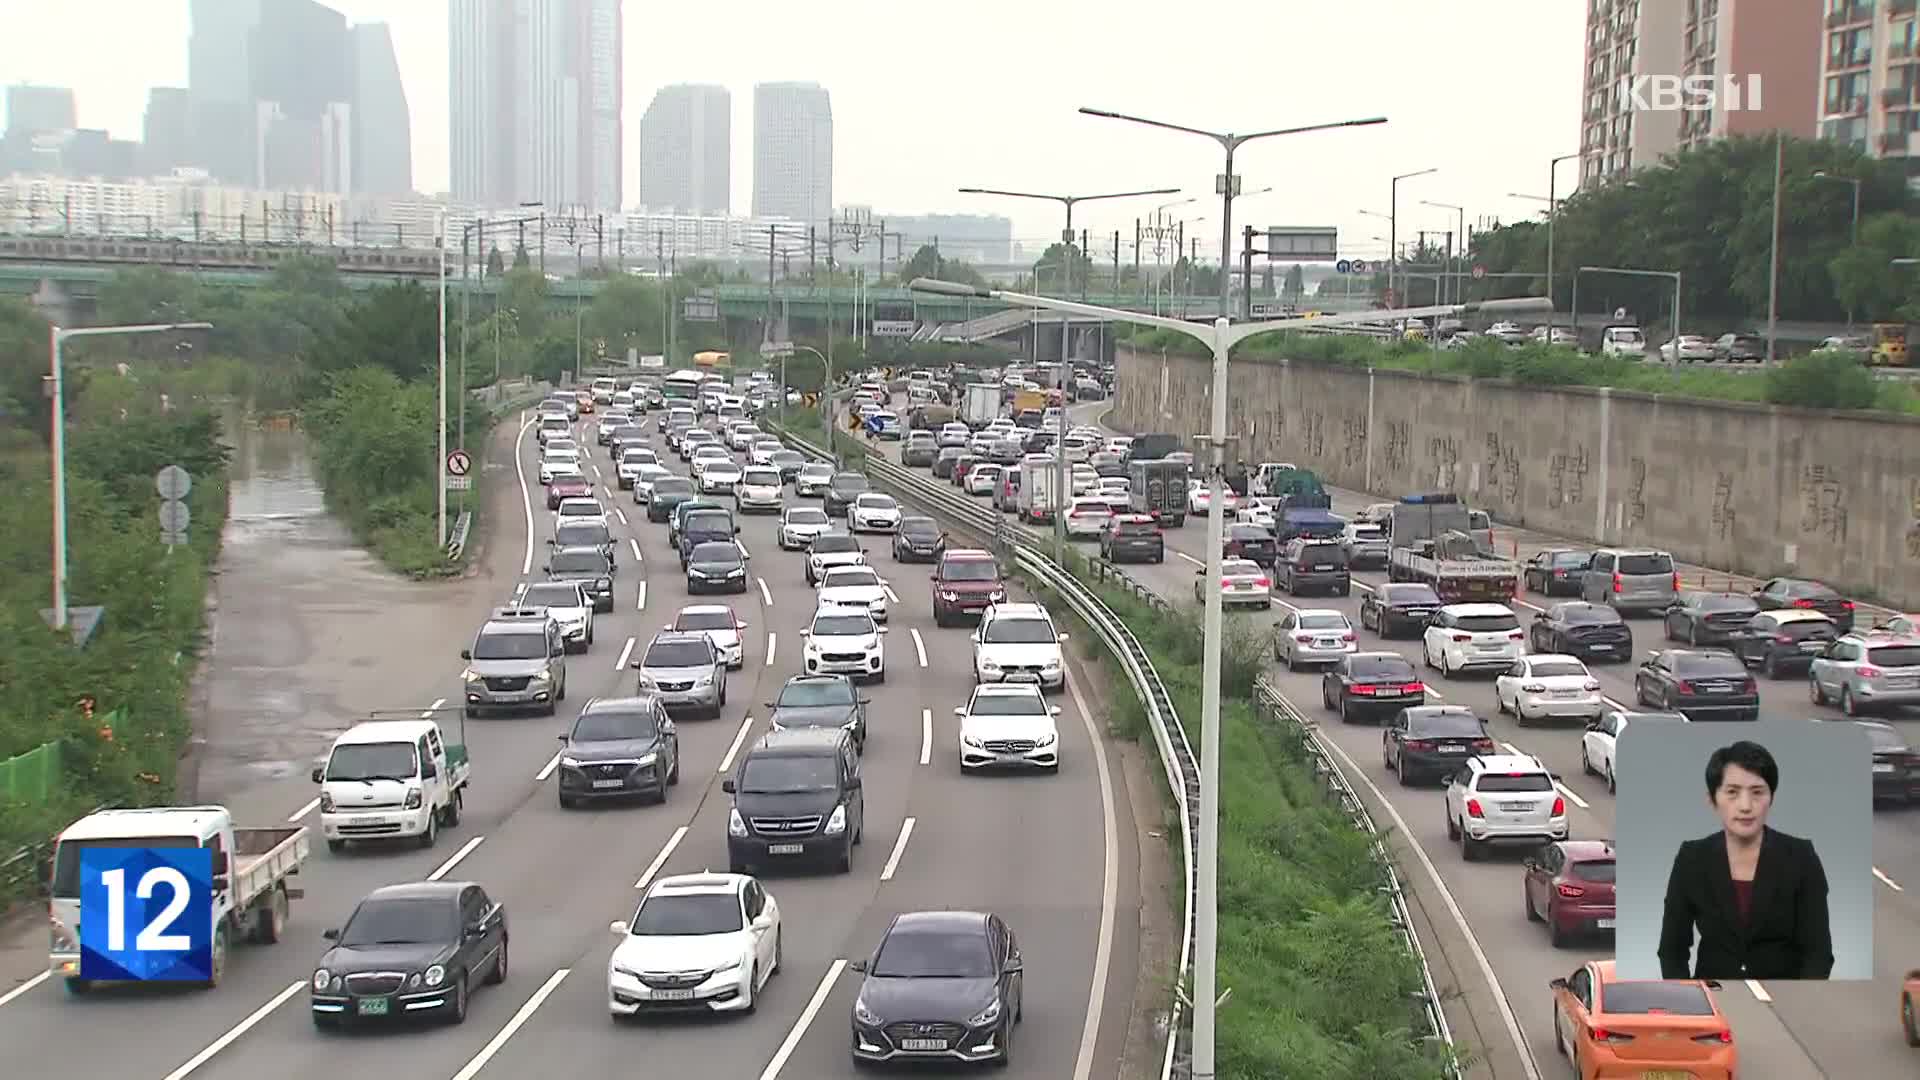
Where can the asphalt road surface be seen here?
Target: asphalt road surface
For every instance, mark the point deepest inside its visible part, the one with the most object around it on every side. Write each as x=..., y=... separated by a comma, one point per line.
x=1042, y=851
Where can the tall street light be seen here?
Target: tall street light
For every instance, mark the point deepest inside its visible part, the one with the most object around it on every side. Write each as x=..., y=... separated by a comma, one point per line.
x=1393, y=228
x=1227, y=185
x=1553, y=211
x=1061, y=494
x=1853, y=232
x=57, y=338
x=440, y=465
x=1220, y=336
x=1460, y=237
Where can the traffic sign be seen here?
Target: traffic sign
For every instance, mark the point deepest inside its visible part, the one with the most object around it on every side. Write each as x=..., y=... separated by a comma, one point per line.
x=1479, y=271
x=459, y=463
x=173, y=482
x=459, y=483
x=1359, y=266
x=173, y=539
x=174, y=516
x=146, y=914
x=1344, y=266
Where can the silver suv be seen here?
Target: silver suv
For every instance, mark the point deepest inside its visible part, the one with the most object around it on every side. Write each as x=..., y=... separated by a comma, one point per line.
x=517, y=661
x=1867, y=672
x=1503, y=799
x=1631, y=580
x=685, y=671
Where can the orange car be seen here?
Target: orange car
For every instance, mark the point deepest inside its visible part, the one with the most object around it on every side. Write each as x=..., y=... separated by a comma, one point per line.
x=1910, y=1007
x=1647, y=1029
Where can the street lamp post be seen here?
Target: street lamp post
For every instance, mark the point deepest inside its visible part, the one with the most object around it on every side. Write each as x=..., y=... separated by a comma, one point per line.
x=1061, y=493
x=1460, y=240
x=1553, y=211
x=1393, y=229
x=440, y=464
x=1220, y=336
x=57, y=338
x=1853, y=231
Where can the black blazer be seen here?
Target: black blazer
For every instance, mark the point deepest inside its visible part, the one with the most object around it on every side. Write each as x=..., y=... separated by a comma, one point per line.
x=1786, y=935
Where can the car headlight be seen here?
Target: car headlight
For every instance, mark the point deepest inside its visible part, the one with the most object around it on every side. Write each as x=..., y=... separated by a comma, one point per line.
x=1051, y=665
x=837, y=821
x=970, y=740
x=949, y=596
x=543, y=677
x=649, y=758
x=570, y=762
x=986, y=1016
x=999, y=595
x=1046, y=740
x=471, y=676
x=414, y=799
x=864, y=1015
x=736, y=825
x=322, y=978
x=988, y=665
x=646, y=683
x=436, y=975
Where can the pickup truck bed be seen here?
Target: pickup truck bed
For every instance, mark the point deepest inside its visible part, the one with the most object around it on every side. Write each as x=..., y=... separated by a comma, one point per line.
x=264, y=857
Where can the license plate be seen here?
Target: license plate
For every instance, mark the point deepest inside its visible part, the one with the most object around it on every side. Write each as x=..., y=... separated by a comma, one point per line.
x=372, y=1006
x=1883, y=768
x=1516, y=807
x=785, y=849
x=1023, y=676
x=1812, y=646
x=1566, y=693
x=1242, y=586
x=1327, y=643
x=1453, y=749
x=1665, y=1074
x=1318, y=569
x=673, y=995
x=1604, y=924
x=608, y=783
x=923, y=1044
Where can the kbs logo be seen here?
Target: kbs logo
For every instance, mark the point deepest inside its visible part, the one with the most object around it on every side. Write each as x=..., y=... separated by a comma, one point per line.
x=1690, y=93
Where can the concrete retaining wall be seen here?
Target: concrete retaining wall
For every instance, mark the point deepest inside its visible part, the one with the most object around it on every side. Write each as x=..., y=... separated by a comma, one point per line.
x=1756, y=489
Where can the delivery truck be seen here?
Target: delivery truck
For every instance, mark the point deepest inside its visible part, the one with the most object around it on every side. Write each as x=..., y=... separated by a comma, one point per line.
x=1157, y=487
x=397, y=775
x=980, y=406
x=1039, y=493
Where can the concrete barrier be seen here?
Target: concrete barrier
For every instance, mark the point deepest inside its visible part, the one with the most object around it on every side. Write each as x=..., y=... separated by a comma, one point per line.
x=1760, y=490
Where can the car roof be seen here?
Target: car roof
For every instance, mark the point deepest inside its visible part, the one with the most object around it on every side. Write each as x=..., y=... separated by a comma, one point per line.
x=375, y=731
x=628, y=703
x=418, y=890
x=1320, y=611
x=1533, y=658
x=1007, y=690
x=1475, y=609
x=675, y=637
x=1787, y=615
x=704, y=883
x=967, y=553
x=1586, y=850
x=704, y=609
x=1018, y=609
x=1508, y=763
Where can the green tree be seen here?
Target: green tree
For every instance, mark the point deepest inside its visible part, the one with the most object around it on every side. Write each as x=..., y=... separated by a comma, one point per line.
x=23, y=362
x=1296, y=286
x=627, y=313
x=1864, y=277
x=395, y=328
x=521, y=260
x=927, y=262
x=1059, y=261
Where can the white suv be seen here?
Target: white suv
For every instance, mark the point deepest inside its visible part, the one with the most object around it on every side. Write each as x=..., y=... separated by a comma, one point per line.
x=705, y=942
x=1018, y=643
x=845, y=640
x=1008, y=725
x=1504, y=799
x=1473, y=637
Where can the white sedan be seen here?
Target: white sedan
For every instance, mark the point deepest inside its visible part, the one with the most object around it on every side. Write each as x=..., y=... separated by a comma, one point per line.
x=1255, y=512
x=800, y=524
x=1602, y=739
x=982, y=479
x=715, y=476
x=721, y=626
x=724, y=926
x=553, y=457
x=873, y=512
x=1199, y=496
x=1008, y=724
x=1548, y=686
x=1687, y=348
x=1243, y=583
x=759, y=488
x=854, y=586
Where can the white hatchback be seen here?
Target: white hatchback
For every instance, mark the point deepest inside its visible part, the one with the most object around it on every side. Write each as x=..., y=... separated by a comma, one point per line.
x=1548, y=686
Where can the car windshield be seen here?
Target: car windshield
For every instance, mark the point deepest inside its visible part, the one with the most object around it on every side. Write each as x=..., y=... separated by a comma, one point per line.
x=677, y=654
x=563, y=473
x=1007, y=705
x=672, y=485
x=852, y=577
x=1019, y=632
x=637, y=456
x=919, y=527
x=717, y=619
x=877, y=502
x=811, y=693
x=1380, y=667
x=1720, y=602
x=761, y=478
x=1567, y=558
x=784, y=458
x=842, y=625
x=1247, y=532
x=1598, y=871
x=1811, y=590
x=715, y=551
x=934, y=954
x=401, y=922
x=579, y=562
x=1646, y=998
x=582, y=534
x=688, y=915
x=1646, y=565
x=373, y=761
x=1708, y=665
x=1412, y=595
x=1486, y=623
x=1514, y=782
x=552, y=595
x=1585, y=614
x=816, y=471
x=614, y=725
x=771, y=774
x=1547, y=669
x=969, y=570
x=849, y=482
x=1444, y=723
x=510, y=645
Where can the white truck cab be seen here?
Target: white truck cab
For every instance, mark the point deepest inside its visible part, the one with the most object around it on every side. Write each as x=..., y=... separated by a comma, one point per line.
x=250, y=871
x=392, y=779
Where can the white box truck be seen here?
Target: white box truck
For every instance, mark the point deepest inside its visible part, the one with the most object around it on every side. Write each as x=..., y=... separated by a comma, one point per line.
x=980, y=406
x=1039, y=490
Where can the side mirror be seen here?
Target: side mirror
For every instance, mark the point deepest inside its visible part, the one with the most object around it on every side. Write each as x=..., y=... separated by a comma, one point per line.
x=466, y=654
x=959, y=710
x=546, y=568
x=763, y=922
x=866, y=701
x=806, y=632
x=881, y=629
x=551, y=542
x=1712, y=984
x=319, y=772
x=617, y=927
x=1015, y=966
x=1053, y=710
x=475, y=930
x=668, y=627
x=1557, y=984
x=727, y=785
x=330, y=935
x=1593, y=725
x=557, y=650
x=635, y=663
x=859, y=966
x=1063, y=636
x=563, y=736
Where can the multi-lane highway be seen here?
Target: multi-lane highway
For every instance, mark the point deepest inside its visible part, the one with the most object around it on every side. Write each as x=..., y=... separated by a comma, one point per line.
x=1786, y=1031
x=1042, y=851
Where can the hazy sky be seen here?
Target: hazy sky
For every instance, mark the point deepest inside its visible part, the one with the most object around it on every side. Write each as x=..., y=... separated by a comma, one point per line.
x=927, y=98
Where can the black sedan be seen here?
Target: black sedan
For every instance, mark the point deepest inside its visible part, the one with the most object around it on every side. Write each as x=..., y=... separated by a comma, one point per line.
x=1812, y=595
x=841, y=491
x=1555, y=572
x=1704, y=618
x=1107, y=463
x=1896, y=765
x=1431, y=741
x=591, y=567
x=618, y=748
x=413, y=950
x=1700, y=684
x=716, y=566
x=942, y=986
x=1588, y=631
x=820, y=701
x=668, y=492
x=918, y=539
x=1395, y=609
x=1370, y=685
x=1249, y=542
x=1781, y=642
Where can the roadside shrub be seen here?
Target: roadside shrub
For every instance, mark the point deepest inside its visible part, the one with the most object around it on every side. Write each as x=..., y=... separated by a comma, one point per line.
x=1827, y=379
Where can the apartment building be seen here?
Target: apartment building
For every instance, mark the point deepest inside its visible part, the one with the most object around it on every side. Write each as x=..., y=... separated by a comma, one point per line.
x=1868, y=82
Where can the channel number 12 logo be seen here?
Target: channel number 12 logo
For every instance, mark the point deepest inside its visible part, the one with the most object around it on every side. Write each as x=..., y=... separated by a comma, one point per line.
x=146, y=914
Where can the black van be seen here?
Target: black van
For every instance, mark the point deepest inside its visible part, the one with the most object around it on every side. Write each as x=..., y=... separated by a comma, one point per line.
x=796, y=801
x=703, y=526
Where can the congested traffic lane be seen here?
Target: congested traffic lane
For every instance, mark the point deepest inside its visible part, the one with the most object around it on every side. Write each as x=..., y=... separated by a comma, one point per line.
x=1785, y=1029
x=1048, y=876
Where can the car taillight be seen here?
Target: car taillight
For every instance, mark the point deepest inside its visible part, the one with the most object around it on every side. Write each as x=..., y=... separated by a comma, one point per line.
x=1559, y=807
x=1676, y=581
x=1226, y=583
x=1264, y=582
x=1533, y=688
x=1483, y=745
x=1304, y=639
x=1419, y=744
x=1413, y=688
x=1571, y=892
x=1846, y=605
x=1750, y=687
x=1473, y=808
x=1592, y=684
x=1868, y=671
x=1517, y=636
x=1683, y=686
x=1606, y=1035
x=1616, y=583
x=1782, y=639
x=1463, y=637
x=1364, y=690
x=1722, y=1038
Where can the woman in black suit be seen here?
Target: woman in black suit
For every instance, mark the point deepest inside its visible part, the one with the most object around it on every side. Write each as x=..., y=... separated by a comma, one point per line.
x=1758, y=897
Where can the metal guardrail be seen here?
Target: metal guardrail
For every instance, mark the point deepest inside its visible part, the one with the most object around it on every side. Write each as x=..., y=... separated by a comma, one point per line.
x=1025, y=551
x=457, y=544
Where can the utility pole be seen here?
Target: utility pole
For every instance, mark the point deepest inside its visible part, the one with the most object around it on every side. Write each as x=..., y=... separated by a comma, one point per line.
x=1773, y=259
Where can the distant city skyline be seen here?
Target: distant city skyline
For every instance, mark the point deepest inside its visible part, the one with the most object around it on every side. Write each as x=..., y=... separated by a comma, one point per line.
x=686, y=150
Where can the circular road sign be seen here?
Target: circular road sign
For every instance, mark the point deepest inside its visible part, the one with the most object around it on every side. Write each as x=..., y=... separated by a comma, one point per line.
x=1344, y=266
x=174, y=516
x=1479, y=270
x=1359, y=266
x=173, y=482
x=459, y=463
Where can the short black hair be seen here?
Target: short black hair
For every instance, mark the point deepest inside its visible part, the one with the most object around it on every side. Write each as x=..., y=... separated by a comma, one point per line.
x=1748, y=755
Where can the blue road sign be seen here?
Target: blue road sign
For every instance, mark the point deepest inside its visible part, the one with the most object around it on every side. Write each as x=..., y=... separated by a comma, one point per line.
x=146, y=914
x=1344, y=266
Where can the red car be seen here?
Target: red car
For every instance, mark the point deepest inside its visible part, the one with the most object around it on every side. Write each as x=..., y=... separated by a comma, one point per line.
x=1569, y=886
x=568, y=487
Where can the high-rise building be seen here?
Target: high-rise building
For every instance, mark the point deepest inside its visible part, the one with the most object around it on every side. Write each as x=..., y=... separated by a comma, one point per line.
x=382, y=142
x=792, y=151
x=536, y=90
x=278, y=63
x=1867, y=79
x=1751, y=60
x=166, y=135
x=39, y=110
x=686, y=150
